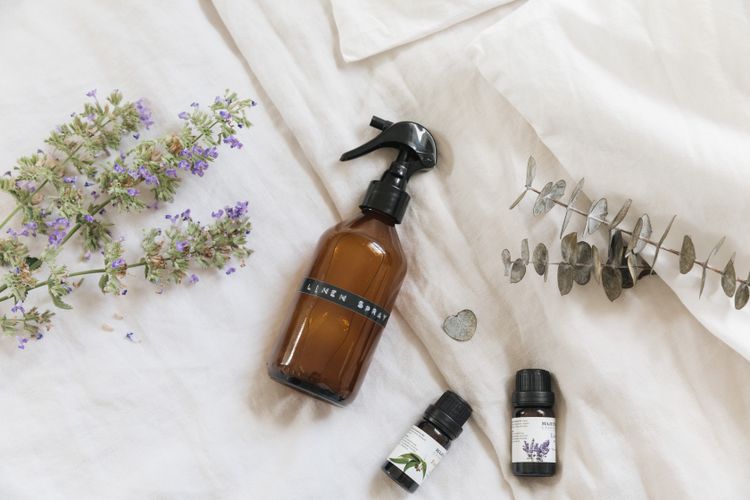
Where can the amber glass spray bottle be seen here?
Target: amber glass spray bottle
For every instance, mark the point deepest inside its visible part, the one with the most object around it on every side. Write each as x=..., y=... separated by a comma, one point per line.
x=346, y=297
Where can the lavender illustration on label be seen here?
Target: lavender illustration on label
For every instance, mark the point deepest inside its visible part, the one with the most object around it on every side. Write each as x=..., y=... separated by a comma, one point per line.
x=536, y=451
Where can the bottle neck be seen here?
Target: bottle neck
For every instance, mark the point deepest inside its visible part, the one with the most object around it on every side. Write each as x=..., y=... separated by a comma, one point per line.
x=381, y=217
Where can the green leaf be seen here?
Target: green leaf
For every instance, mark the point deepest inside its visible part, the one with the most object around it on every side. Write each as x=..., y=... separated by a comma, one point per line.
x=33, y=263
x=103, y=282
x=58, y=301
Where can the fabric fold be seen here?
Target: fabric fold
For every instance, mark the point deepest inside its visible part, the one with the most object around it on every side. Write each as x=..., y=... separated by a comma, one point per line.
x=644, y=107
x=367, y=28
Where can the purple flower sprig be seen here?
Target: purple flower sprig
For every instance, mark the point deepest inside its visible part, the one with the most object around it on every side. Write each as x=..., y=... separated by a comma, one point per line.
x=169, y=253
x=69, y=190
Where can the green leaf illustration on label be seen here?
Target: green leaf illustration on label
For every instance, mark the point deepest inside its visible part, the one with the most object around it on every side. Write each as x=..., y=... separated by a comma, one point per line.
x=409, y=460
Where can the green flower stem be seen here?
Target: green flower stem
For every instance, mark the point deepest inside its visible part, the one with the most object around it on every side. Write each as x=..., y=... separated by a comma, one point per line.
x=10, y=216
x=100, y=270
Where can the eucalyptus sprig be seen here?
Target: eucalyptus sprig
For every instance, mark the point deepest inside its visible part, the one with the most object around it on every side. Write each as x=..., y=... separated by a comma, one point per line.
x=624, y=264
x=69, y=188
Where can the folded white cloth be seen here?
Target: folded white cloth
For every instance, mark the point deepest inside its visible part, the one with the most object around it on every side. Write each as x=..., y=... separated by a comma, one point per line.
x=649, y=101
x=366, y=28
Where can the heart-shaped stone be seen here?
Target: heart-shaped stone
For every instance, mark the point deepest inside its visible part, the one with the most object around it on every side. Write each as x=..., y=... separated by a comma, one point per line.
x=461, y=326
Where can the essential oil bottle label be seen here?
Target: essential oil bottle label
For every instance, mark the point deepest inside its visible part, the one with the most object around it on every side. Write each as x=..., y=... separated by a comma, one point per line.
x=351, y=301
x=533, y=440
x=417, y=454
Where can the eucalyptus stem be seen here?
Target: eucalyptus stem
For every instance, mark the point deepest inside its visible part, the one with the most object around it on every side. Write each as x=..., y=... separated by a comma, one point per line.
x=630, y=233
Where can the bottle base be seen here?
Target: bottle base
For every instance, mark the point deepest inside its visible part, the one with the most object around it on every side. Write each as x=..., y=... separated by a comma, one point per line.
x=400, y=477
x=308, y=388
x=534, y=469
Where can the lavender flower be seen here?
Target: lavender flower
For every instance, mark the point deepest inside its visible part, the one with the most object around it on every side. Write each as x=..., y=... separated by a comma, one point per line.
x=233, y=142
x=239, y=209
x=168, y=255
x=144, y=114
x=199, y=167
x=59, y=229
x=26, y=185
x=183, y=115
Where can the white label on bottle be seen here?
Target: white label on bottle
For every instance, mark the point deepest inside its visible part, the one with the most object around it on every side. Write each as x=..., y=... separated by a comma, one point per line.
x=417, y=454
x=533, y=440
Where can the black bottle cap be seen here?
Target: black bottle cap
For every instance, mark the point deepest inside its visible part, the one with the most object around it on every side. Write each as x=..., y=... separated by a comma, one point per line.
x=416, y=151
x=533, y=388
x=449, y=413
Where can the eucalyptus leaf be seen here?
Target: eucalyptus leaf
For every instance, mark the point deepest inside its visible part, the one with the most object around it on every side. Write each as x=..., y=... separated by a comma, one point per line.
x=517, y=271
x=729, y=278
x=643, y=235
x=540, y=199
x=540, y=258
x=661, y=242
x=597, y=261
x=621, y=214
x=634, y=236
x=616, y=248
x=687, y=255
x=568, y=210
x=568, y=247
x=612, y=282
x=741, y=297
x=518, y=200
x=633, y=267
x=547, y=197
x=506, y=260
x=525, y=251
x=597, y=214
x=530, y=171
x=584, y=256
x=564, y=278
x=705, y=264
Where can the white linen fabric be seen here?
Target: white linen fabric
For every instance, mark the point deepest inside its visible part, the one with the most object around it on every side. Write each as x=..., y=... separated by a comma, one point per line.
x=366, y=28
x=648, y=402
x=646, y=100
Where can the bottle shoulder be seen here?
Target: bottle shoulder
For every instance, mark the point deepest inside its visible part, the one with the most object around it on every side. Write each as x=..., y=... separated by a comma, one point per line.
x=534, y=412
x=435, y=433
x=368, y=228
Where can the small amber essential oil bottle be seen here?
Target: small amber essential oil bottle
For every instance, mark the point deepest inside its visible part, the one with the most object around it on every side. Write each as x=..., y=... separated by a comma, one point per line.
x=533, y=446
x=422, y=448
